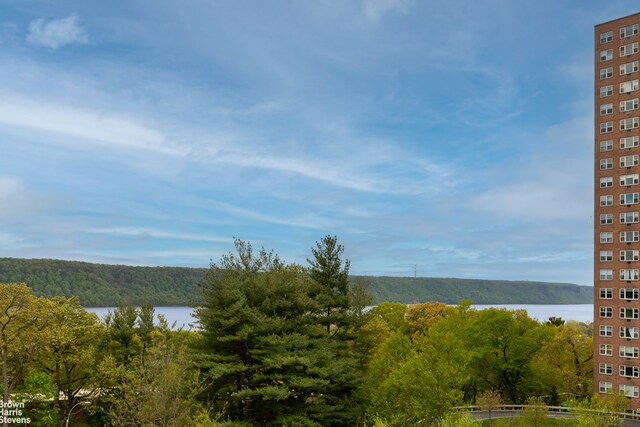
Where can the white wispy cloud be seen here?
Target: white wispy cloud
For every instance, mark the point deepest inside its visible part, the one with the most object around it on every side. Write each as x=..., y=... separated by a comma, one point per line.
x=310, y=220
x=535, y=201
x=81, y=123
x=8, y=187
x=542, y=183
x=57, y=32
x=21, y=203
x=157, y=234
x=375, y=10
x=126, y=132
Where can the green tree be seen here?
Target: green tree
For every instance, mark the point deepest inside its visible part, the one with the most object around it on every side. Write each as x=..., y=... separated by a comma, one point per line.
x=160, y=387
x=122, y=329
x=535, y=414
x=420, y=317
x=71, y=352
x=392, y=313
x=23, y=319
x=504, y=345
x=565, y=361
x=266, y=353
x=424, y=386
x=145, y=323
x=331, y=278
x=40, y=390
x=458, y=419
x=600, y=411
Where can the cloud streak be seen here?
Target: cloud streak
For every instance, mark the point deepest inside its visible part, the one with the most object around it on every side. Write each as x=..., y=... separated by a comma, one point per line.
x=157, y=234
x=375, y=10
x=56, y=33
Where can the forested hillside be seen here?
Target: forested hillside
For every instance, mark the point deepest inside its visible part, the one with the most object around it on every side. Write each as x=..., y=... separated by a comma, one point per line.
x=100, y=285
x=409, y=290
x=109, y=285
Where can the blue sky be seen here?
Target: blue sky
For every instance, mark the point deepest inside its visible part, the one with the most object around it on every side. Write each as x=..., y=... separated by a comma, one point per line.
x=455, y=136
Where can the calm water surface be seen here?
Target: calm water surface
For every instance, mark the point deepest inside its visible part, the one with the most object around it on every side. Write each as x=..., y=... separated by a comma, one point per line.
x=182, y=316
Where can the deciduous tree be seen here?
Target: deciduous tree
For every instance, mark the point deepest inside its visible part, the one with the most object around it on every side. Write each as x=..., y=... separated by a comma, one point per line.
x=23, y=319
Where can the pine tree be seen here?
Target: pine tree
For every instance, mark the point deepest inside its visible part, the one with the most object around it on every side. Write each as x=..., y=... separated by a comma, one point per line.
x=269, y=359
x=331, y=279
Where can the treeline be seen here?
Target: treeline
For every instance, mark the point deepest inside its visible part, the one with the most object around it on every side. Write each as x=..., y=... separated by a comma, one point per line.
x=409, y=290
x=286, y=345
x=100, y=285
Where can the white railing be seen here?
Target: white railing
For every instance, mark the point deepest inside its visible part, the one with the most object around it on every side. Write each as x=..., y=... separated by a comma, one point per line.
x=553, y=409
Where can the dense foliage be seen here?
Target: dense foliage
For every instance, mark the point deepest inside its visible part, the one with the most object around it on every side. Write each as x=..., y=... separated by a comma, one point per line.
x=98, y=285
x=269, y=342
x=409, y=290
x=266, y=357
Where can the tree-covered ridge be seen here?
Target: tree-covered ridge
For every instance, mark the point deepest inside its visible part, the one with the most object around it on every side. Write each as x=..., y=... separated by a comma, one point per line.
x=101, y=285
x=409, y=290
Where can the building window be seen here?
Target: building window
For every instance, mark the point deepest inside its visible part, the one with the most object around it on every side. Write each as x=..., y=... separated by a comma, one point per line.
x=629, y=49
x=630, y=123
x=606, y=293
x=629, y=293
x=606, y=73
x=628, y=256
x=606, y=127
x=606, y=109
x=628, y=161
x=606, y=181
x=627, y=351
x=606, y=312
x=606, y=219
x=627, y=180
x=606, y=145
x=629, y=142
x=630, y=333
x=606, y=55
x=606, y=237
x=606, y=256
x=605, y=387
x=607, y=37
x=606, y=274
x=628, y=68
x=605, y=368
x=629, y=218
x=606, y=91
x=629, y=274
x=629, y=198
x=629, y=371
x=606, y=331
x=628, y=313
x=628, y=236
x=627, y=87
x=606, y=200
x=625, y=106
x=628, y=390
x=607, y=164
x=606, y=350
x=629, y=31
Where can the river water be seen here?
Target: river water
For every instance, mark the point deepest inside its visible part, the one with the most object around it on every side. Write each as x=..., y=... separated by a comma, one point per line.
x=182, y=316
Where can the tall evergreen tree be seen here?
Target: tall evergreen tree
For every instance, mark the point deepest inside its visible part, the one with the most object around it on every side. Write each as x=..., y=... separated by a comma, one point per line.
x=331, y=278
x=269, y=359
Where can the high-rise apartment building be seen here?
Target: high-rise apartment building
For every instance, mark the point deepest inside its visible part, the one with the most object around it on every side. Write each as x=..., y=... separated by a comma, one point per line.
x=617, y=209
